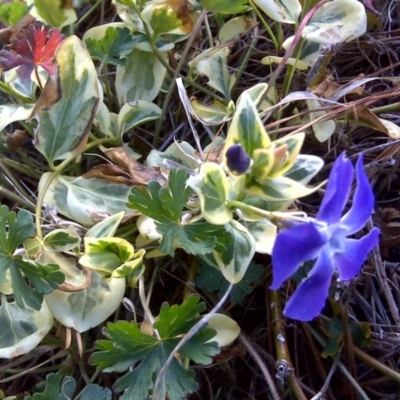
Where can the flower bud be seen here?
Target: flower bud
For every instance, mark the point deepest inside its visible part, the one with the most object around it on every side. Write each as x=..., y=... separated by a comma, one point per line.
x=237, y=159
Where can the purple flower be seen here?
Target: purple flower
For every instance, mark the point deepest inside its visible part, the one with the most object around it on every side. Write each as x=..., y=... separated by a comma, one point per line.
x=327, y=240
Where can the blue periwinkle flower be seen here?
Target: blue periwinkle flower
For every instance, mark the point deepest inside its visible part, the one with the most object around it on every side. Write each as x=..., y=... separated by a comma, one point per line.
x=326, y=239
x=237, y=159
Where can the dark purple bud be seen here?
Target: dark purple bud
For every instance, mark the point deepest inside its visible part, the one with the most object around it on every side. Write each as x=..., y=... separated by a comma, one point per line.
x=237, y=160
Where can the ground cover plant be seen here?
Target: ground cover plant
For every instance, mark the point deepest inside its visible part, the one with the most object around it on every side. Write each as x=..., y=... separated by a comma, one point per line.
x=199, y=199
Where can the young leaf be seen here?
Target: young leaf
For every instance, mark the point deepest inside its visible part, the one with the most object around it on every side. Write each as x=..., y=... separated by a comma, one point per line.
x=247, y=128
x=165, y=206
x=116, y=43
x=12, y=13
x=128, y=345
x=56, y=389
x=32, y=47
x=43, y=278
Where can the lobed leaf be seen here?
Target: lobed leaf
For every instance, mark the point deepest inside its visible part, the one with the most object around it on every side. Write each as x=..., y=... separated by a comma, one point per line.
x=128, y=347
x=112, y=47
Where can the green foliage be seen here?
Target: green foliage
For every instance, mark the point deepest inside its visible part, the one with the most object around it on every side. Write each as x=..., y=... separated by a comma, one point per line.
x=166, y=206
x=128, y=345
x=56, y=389
x=211, y=279
x=116, y=43
x=14, y=229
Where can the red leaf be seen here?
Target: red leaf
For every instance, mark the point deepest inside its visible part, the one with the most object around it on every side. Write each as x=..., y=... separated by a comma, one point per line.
x=31, y=47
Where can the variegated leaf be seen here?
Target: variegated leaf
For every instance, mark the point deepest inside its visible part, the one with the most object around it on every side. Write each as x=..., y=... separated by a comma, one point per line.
x=67, y=106
x=282, y=11
x=212, y=186
x=234, y=261
x=140, y=78
x=247, y=128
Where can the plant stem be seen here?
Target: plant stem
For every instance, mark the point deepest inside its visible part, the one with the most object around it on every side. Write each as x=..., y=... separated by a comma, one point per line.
x=265, y=24
x=176, y=74
x=87, y=14
x=16, y=198
x=284, y=364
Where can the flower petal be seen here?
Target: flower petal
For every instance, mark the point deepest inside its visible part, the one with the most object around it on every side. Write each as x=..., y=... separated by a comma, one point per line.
x=309, y=299
x=337, y=191
x=355, y=251
x=363, y=202
x=293, y=247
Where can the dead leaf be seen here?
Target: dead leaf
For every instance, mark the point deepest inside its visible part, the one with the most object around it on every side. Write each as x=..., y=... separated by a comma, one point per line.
x=327, y=88
x=139, y=173
x=16, y=140
x=365, y=117
x=110, y=172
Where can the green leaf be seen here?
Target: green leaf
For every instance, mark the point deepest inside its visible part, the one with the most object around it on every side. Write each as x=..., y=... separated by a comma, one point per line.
x=279, y=189
x=181, y=153
x=62, y=239
x=283, y=11
x=212, y=186
x=128, y=345
x=136, y=113
x=323, y=130
x=234, y=261
x=211, y=279
x=140, y=78
x=57, y=13
x=166, y=206
x=225, y=7
x=12, y=13
x=211, y=114
x=338, y=21
x=85, y=200
x=22, y=329
x=10, y=113
x=93, y=391
x=111, y=257
x=164, y=17
x=56, y=389
x=89, y=307
x=213, y=64
x=43, y=278
x=116, y=43
x=235, y=27
x=67, y=106
x=107, y=227
x=305, y=168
